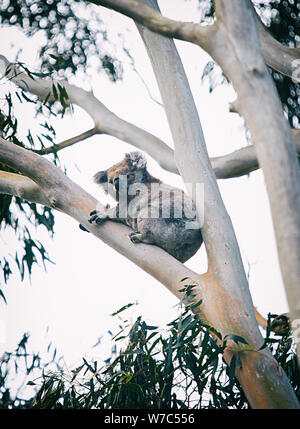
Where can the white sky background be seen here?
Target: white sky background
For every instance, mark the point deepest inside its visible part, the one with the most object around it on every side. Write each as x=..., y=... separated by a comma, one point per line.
x=73, y=300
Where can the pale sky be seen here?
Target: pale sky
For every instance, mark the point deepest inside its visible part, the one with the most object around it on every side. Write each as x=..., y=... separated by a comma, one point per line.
x=71, y=303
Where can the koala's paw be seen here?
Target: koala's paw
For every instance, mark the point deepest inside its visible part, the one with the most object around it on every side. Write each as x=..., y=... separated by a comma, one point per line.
x=281, y=324
x=97, y=217
x=135, y=237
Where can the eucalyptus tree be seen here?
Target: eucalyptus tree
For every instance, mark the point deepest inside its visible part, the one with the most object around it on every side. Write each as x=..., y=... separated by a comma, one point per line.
x=239, y=42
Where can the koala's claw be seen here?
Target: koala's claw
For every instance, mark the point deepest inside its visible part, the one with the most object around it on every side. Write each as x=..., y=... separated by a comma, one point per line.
x=135, y=237
x=97, y=217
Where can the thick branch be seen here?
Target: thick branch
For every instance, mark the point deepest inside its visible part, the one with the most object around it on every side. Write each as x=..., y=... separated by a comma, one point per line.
x=242, y=161
x=23, y=187
x=145, y=15
x=276, y=55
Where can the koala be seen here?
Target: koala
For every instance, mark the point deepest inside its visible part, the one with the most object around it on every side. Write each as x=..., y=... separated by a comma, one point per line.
x=157, y=213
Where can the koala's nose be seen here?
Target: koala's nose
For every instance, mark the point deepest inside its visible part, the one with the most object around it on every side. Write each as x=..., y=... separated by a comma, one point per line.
x=116, y=183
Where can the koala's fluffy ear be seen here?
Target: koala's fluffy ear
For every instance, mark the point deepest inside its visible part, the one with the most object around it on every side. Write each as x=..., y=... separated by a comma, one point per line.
x=100, y=177
x=136, y=160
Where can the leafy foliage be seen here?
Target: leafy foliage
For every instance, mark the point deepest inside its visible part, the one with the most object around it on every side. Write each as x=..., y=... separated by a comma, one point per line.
x=283, y=349
x=179, y=368
x=16, y=367
x=70, y=43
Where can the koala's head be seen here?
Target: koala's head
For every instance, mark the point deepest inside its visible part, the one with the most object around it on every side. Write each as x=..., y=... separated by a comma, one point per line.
x=133, y=169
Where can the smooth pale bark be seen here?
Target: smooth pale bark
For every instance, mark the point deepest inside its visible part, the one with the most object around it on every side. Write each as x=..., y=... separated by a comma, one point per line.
x=229, y=301
x=56, y=190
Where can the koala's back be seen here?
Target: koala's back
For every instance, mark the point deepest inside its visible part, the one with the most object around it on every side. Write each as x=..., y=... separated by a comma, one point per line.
x=172, y=236
x=166, y=217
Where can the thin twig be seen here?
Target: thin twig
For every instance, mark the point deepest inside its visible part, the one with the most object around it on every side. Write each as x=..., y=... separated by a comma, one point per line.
x=66, y=143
